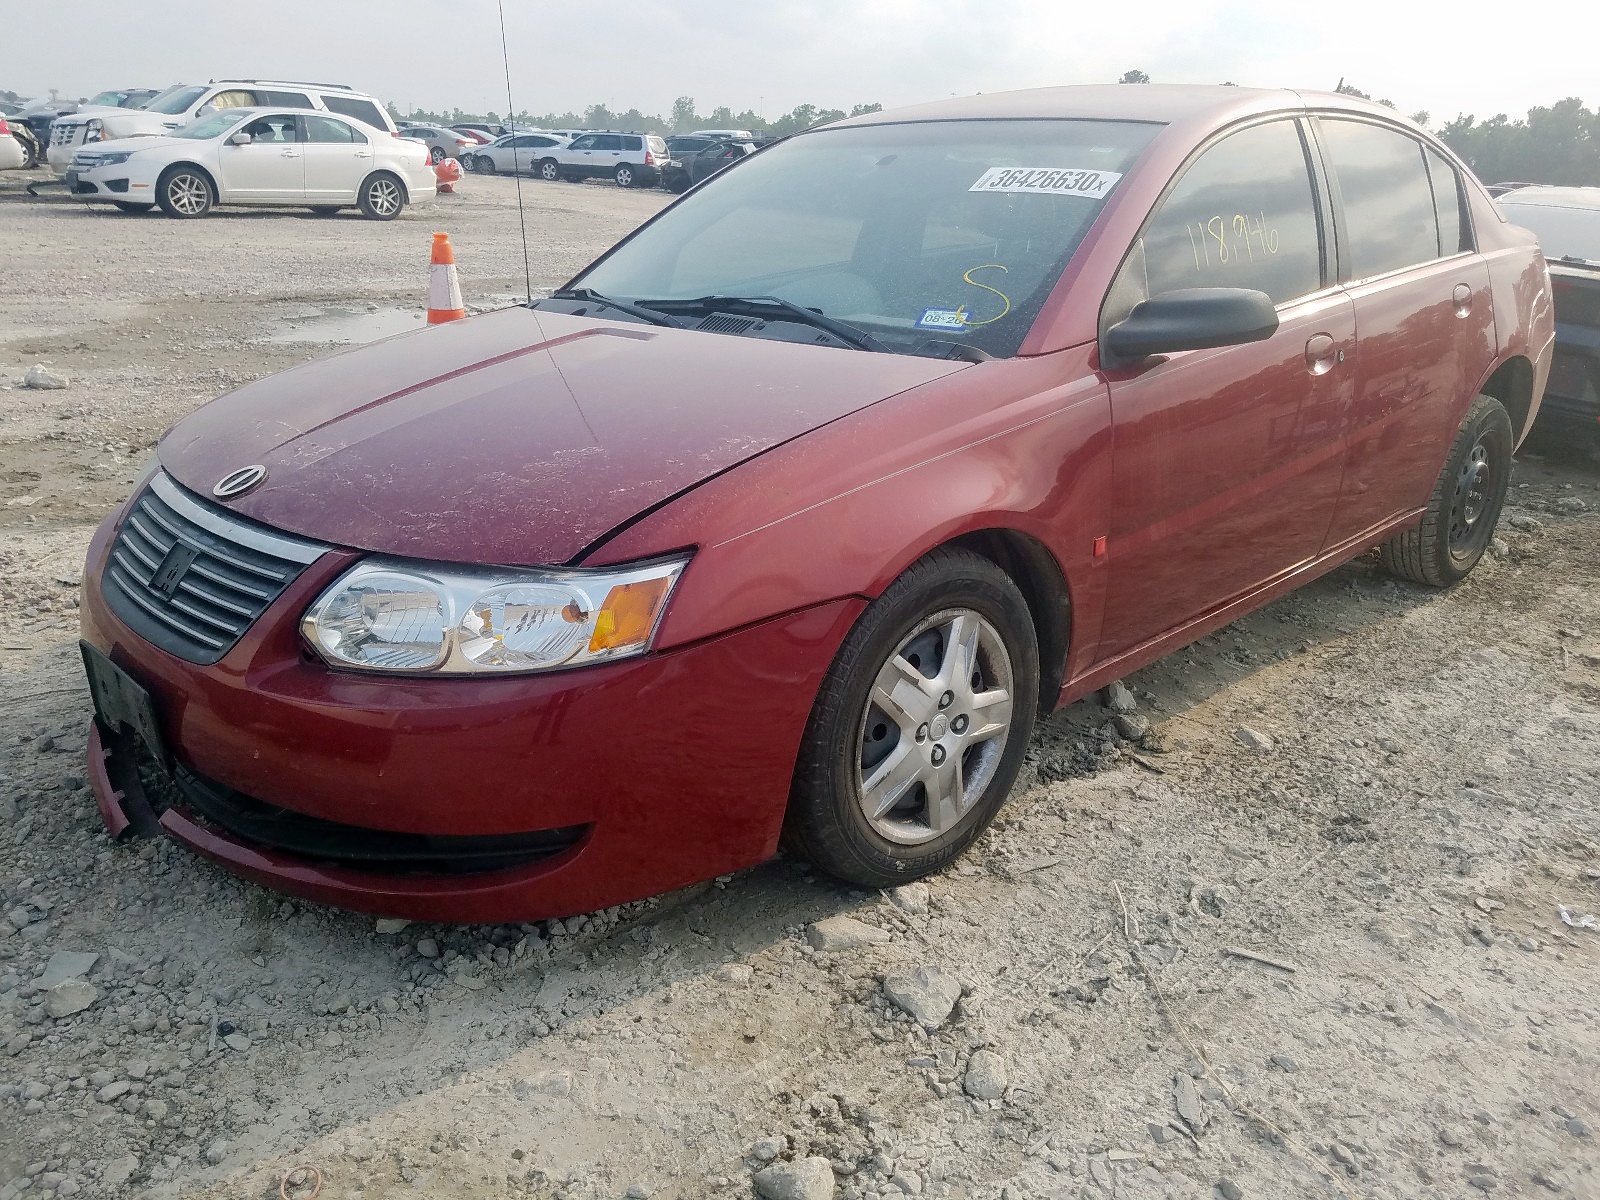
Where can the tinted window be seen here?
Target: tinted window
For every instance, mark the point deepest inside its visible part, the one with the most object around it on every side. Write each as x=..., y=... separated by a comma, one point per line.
x=361, y=110
x=608, y=142
x=542, y=141
x=1447, y=204
x=287, y=99
x=1242, y=215
x=938, y=231
x=1388, y=202
x=326, y=129
x=632, y=143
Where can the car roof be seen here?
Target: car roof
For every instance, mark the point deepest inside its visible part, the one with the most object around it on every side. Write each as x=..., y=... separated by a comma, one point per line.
x=1554, y=197
x=1156, y=102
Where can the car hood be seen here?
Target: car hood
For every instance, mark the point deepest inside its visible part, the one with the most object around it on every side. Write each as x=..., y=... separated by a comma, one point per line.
x=143, y=141
x=514, y=437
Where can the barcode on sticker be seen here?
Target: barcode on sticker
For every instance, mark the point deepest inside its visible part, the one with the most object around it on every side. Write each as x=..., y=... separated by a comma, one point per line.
x=1049, y=181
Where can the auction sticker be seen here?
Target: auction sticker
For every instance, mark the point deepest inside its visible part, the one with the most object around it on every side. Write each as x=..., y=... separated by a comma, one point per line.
x=943, y=318
x=1049, y=181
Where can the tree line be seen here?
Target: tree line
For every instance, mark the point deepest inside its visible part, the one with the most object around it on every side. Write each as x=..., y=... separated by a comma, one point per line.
x=683, y=117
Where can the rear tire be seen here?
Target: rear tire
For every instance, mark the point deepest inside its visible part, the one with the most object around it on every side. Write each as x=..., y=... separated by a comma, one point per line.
x=436, y=156
x=382, y=197
x=886, y=792
x=1465, y=505
x=184, y=193
x=624, y=175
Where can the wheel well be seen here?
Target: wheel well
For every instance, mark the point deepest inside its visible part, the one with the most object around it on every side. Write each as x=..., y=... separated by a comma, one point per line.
x=216, y=196
x=1512, y=385
x=1038, y=576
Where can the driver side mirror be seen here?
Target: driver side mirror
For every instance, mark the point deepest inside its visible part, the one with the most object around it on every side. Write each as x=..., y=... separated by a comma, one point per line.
x=1191, y=319
x=240, y=139
x=205, y=110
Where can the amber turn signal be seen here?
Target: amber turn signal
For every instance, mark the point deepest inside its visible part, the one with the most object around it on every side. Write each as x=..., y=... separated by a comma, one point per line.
x=628, y=616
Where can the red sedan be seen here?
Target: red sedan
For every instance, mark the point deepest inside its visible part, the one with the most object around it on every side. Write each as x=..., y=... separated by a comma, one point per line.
x=790, y=514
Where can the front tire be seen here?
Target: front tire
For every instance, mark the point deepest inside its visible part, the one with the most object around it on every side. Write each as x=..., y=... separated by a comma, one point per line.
x=184, y=193
x=920, y=727
x=550, y=170
x=1465, y=505
x=382, y=197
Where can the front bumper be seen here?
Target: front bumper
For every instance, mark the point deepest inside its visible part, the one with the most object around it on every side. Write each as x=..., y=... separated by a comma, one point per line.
x=659, y=772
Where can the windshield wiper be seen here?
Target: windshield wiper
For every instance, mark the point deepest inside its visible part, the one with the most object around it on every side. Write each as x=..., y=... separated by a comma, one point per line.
x=754, y=306
x=589, y=295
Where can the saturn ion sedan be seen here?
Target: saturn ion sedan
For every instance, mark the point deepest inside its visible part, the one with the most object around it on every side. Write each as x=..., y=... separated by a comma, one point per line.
x=258, y=156
x=785, y=520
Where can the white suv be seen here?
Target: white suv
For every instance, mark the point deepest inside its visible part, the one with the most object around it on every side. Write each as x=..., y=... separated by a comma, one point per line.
x=182, y=103
x=632, y=159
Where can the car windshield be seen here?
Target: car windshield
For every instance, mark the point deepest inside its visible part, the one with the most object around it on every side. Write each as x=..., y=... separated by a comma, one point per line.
x=209, y=126
x=174, y=100
x=948, y=231
x=1562, y=232
x=113, y=99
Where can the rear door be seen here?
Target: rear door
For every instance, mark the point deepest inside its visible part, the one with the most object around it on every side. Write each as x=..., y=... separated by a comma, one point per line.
x=338, y=157
x=1226, y=462
x=1423, y=315
x=270, y=169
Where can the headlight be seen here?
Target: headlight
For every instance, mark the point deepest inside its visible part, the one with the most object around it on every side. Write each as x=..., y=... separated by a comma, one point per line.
x=394, y=615
x=93, y=130
x=111, y=158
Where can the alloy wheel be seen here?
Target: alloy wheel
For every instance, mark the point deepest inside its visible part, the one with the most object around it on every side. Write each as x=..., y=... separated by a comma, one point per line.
x=188, y=194
x=384, y=196
x=936, y=724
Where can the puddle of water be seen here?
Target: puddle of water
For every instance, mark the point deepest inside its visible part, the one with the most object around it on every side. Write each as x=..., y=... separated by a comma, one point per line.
x=346, y=326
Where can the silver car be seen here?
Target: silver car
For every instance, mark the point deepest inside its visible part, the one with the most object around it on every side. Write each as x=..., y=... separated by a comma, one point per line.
x=513, y=154
x=442, y=143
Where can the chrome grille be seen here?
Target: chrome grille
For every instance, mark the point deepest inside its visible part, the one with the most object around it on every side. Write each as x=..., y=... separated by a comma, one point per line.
x=191, y=577
x=65, y=133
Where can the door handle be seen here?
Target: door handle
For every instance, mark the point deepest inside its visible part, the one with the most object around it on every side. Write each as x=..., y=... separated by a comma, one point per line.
x=1322, y=354
x=1462, y=298
x=363, y=154
x=290, y=154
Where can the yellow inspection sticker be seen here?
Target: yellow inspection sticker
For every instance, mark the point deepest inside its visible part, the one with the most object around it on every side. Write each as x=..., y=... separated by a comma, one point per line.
x=1049, y=181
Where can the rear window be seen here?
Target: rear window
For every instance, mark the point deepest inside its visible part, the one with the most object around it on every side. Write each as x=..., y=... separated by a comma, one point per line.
x=1388, y=201
x=1563, y=232
x=361, y=110
x=946, y=231
x=287, y=99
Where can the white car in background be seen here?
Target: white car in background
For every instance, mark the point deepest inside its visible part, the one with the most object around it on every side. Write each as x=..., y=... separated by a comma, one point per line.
x=513, y=154
x=258, y=156
x=182, y=103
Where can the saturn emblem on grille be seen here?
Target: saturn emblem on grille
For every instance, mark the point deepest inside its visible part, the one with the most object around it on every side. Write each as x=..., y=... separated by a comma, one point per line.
x=237, y=483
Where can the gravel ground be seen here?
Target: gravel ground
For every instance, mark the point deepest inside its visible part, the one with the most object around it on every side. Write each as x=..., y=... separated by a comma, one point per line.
x=1301, y=935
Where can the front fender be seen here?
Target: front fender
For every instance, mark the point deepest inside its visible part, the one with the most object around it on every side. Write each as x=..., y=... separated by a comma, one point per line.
x=1021, y=444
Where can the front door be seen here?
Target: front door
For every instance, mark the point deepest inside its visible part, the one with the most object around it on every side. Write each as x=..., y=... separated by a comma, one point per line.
x=270, y=169
x=1226, y=462
x=338, y=157
x=1423, y=314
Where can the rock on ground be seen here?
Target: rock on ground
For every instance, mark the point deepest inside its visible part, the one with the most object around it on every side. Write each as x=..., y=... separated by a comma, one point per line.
x=844, y=933
x=928, y=994
x=1252, y=739
x=986, y=1076
x=43, y=378
x=803, y=1179
x=66, y=964
x=68, y=997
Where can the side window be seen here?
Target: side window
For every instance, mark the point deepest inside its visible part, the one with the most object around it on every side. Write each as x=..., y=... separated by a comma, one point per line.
x=1242, y=215
x=325, y=129
x=1387, y=200
x=361, y=110
x=584, y=143
x=542, y=142
x=1454, y=236
x=632, y=143
x=237, y=98
x=275, y=129
x=608, y=141
x=287, y=99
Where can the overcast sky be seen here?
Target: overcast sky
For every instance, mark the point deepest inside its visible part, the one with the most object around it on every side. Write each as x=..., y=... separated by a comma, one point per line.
x=770, y=55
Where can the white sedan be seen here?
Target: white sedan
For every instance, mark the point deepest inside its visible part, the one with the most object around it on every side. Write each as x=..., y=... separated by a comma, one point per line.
x=258, y=156
x=514, y=153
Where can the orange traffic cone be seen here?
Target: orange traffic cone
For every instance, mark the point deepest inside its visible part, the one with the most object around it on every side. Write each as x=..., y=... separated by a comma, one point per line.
x=444, y=289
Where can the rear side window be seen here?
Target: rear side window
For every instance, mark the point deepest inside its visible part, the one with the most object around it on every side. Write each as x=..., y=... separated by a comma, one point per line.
x=234, y=98
x=361, y=110
x=287, y=99
x=326, y=129
x=1242, y=215
x=1389, y=216
x=1453, y=236
x=632, y=143
x=607, y=141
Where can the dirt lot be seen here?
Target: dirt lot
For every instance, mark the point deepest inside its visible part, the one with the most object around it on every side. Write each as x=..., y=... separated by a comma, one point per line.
x=1421, y=797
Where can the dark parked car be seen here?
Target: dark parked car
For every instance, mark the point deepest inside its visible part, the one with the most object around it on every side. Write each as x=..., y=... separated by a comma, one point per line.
x=1566, y=220
x=792, y=512
x=721, y=155
x=681, y=151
